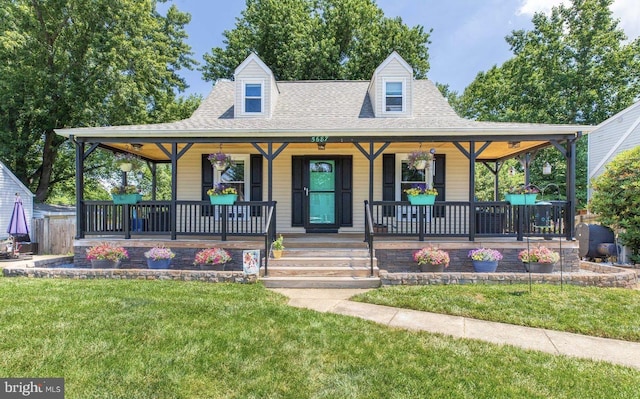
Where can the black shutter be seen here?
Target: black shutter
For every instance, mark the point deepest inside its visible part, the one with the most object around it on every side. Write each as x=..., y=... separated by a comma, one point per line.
x=255, y=182
x=346, y=191
x=207, y=176
x=388, y=182
x=439, y=183
x=297, y=191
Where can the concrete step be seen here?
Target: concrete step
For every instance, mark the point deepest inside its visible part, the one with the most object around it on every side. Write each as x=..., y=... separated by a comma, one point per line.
x=325, y=252
x=324, y=271
x=321, y=262
x=320, y=282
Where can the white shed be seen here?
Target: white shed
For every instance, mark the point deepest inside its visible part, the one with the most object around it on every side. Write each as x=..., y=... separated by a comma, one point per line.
x=619, y=133
x=10, y=185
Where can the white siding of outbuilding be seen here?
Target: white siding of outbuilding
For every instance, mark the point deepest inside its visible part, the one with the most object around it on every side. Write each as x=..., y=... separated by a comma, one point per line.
x=9, y=186
x=619, y=133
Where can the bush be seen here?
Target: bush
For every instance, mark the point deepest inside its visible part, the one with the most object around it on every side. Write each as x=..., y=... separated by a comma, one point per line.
x=616, y=198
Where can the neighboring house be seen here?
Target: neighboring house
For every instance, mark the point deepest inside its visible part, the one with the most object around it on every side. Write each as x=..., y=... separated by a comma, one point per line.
x=10, y=185
x=619, y=133
x=319, y=149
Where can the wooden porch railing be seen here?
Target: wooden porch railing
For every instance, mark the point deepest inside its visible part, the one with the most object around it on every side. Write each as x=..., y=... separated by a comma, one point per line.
x=466, y=219
x=192, y=218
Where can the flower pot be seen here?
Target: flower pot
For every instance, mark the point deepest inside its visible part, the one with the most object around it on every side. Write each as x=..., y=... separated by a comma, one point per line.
x=126, y=198
x=277, y=253
x=105, y=264
x=485, y=266
x=420, y=164
x=223, y=199
x=422, y=199
x=537, y=267
x=521, y=199
x=220, y=164
x=429, y=268
x=158, y=263
x=212, y=266
x=126, y=167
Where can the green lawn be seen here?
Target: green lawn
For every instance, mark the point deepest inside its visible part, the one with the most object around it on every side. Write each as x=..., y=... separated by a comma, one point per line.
x=601, y=312
x=168, y=339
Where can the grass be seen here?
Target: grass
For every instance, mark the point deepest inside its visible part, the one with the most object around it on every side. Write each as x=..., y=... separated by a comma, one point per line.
x=169, y=339
x=600, y=312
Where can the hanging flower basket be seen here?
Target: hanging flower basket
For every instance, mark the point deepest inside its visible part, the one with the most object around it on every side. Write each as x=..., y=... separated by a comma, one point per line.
x=220, y=160
x=419, y=160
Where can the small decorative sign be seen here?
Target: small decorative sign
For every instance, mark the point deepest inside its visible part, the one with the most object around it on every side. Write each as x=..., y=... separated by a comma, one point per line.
x=251, y=261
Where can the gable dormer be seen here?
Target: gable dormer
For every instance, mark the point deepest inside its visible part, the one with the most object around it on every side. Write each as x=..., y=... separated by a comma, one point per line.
x=256, y=91
x=391, y=88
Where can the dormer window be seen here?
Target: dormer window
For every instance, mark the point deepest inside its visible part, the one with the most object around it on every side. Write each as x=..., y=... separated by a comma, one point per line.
x=394, y=96
x=253, y=98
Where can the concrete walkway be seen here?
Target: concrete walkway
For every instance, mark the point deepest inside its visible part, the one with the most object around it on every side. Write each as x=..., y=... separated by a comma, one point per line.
x=336, y=301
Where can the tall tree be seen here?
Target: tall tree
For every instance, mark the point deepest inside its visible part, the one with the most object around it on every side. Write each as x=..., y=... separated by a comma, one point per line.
x=70, y=63
x=575, y=66
x=318, y=39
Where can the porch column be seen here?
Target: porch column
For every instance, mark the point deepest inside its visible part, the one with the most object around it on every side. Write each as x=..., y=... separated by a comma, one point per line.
x=571, y=187
x=80, y=221
x=174, y=189
x=472, y=190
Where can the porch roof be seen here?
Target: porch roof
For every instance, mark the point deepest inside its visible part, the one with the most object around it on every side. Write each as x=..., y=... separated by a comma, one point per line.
x=338, y=108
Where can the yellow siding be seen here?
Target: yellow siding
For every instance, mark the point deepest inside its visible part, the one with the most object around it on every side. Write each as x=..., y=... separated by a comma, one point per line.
x=189, y=176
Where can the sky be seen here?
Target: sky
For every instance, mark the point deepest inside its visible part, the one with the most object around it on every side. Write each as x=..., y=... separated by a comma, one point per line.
x=467, y=38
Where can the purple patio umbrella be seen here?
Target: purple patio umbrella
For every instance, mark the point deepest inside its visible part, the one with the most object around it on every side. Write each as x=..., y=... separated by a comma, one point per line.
x=18, y=226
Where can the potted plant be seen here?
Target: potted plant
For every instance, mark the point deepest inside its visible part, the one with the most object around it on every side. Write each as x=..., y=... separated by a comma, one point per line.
x=125, y=194
x=522, y=195
x=106, y=256
x=220, y=160
x=127, y=161
x=431, y=259
x=485, y=260
x=539, y=259
x=421, y=194
x=212, y=258
x=277, y=247
x=159, y=257
x=221, y=194
x=419, y=160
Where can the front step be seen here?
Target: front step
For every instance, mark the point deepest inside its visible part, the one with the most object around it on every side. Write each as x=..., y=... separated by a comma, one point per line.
x=320, y=282
x=323, y=265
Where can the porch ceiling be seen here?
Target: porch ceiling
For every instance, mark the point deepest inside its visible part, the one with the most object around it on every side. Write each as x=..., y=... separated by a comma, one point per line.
x=494, y=151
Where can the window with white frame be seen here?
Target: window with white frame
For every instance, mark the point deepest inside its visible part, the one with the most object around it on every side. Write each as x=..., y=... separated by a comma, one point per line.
x=394, y=96
x=407, y=177
x=253, y=97
x=235, y=176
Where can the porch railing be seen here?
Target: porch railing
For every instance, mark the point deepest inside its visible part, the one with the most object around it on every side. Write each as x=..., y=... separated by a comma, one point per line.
x=192, y=218
x=466, y=219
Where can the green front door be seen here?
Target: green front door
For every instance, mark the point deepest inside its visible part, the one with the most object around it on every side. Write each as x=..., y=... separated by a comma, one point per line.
x=322, y=194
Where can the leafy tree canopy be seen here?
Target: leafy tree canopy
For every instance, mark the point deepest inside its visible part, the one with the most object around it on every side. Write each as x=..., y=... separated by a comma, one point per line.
x=574, y=66
x=71, y=63
x=318, y=39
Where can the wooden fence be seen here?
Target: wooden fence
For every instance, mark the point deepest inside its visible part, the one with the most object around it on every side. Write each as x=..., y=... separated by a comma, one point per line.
x=54, y=234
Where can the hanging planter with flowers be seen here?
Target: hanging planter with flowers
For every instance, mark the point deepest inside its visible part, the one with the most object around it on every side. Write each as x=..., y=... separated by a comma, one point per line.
x=420, y=160
x=220, y=160
x=421, y=194
x=127, y=162
x=222, y=195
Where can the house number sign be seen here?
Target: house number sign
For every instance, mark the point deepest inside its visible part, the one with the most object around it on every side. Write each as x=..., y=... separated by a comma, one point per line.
x=319, y=139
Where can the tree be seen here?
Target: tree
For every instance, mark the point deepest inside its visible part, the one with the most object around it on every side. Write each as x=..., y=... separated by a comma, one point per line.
x=317, y=39
x=70, y=63
x=572, y=68
x=616, y=198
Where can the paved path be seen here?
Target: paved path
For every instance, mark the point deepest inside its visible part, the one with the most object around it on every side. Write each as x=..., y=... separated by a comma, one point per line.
x=555, y=342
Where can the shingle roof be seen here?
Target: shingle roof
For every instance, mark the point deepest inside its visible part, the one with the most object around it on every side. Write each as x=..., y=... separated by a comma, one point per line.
x=322, y=106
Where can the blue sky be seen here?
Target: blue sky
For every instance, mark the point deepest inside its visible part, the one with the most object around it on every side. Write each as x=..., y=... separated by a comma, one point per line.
x=467, y=38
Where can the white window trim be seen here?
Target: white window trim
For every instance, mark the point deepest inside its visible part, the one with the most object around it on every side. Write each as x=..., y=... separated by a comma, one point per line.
x=404, y=95
x=247, y=191
x=403, y=212
x=262, y=84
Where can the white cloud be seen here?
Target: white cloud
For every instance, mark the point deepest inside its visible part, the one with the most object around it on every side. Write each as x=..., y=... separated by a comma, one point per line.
x=627, y=11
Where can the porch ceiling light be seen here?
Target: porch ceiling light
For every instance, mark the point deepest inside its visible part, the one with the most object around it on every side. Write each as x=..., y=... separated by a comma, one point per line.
x=514, y=144
x=136, y=146
x=546, y=168
x=322, y=146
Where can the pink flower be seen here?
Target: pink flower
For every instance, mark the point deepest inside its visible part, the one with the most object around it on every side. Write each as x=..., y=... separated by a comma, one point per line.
x=431, y=256
x=107, y=251
x=213, y=256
